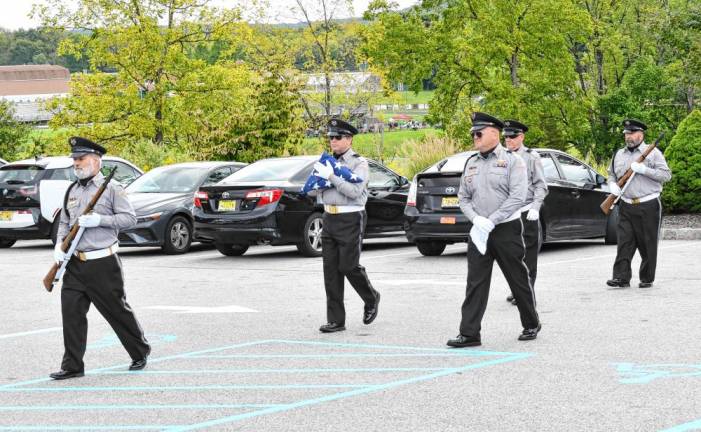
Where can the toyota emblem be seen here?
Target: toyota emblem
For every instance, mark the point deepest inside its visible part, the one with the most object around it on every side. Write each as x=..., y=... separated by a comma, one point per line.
x=225, y=195
x=450, y=190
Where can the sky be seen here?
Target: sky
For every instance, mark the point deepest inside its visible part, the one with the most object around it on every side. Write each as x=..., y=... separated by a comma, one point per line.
x=14, y=13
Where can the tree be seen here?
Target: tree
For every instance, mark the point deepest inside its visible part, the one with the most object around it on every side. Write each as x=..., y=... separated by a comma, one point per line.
x=682, y=192
x=12, y=133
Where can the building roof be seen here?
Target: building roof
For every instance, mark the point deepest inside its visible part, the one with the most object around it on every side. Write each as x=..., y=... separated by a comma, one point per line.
x=34, y=72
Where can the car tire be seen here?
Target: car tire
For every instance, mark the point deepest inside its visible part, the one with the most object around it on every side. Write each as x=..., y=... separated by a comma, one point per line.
x=6, y=243
x=431, y=248
x=229, y=249
x=611, y=236
x=310, y=246
x=178, y=236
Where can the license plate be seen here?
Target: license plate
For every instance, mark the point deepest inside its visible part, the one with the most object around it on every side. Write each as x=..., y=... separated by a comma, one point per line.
x=227, y=205
x=450, y=201
x=6, y=215
x=448, y=220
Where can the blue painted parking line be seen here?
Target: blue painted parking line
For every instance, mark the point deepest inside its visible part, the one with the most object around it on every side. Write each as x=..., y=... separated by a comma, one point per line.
x=335, y=361
x=632, y=373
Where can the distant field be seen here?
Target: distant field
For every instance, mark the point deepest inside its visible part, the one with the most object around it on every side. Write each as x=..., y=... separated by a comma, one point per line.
x=369, y=144
x=408, y=97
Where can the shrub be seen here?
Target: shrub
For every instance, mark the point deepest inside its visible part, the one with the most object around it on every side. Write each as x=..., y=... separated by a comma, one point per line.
x=418, y=155
x=683, y=154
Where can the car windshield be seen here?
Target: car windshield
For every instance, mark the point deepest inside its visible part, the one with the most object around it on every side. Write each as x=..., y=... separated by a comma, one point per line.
x=169, y=180
x=18, y=174
x=268, y=170
x=454, y=163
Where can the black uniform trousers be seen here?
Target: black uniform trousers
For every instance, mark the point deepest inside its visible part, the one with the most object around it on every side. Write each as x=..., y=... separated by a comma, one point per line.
x=506, y=246
x=99, y=282
x=531, y=238
x=341, y=242
x=638, y=228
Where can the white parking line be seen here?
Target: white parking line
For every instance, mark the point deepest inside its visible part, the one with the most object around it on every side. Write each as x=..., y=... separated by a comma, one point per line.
x=612, y=255
x=29, y=333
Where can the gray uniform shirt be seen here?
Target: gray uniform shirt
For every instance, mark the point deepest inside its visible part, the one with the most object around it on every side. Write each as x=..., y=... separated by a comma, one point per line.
x=537, y=187
x=641, y=185
x=115, y=210
x=494, y=186
x=343, y=192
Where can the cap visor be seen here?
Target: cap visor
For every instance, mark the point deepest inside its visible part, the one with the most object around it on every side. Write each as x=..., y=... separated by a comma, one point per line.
x=477, y=128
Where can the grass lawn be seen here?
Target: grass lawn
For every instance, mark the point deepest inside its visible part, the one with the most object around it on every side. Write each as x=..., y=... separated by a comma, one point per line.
x=369, y=144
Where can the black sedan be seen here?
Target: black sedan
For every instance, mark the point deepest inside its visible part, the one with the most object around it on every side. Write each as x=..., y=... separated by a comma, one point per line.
x=262, y=204
x=570, y=211
x=163, y=199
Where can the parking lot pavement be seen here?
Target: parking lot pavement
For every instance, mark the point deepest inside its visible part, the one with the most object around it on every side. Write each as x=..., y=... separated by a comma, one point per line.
x=236, y=346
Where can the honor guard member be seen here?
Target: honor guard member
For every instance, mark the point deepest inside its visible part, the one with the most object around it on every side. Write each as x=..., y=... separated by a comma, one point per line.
x=514, y=134
x=344, y=222
x=493, y=189
x=639, y=208
x=94, y=273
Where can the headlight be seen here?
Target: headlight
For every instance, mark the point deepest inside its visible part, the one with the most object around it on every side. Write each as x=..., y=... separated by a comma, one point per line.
x=149, y=218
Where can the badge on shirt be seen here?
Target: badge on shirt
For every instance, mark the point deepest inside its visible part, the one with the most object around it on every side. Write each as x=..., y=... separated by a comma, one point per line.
x=501, y=163
x=72, y=202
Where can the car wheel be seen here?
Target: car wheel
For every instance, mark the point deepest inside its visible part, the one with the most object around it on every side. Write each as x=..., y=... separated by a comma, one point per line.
x=310, y=245
x=231, y=249
x=178, y=236
x=431, y=248
x=611, y=237
x=6, y=243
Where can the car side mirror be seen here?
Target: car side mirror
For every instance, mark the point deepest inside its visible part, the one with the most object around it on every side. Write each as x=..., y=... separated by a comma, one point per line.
x=600, y=180
x=403, y=181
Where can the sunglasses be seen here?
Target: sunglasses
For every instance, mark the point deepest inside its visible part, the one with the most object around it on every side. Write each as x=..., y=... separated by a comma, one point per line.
x=336, y=137
x=477, y=134
x=510, y=136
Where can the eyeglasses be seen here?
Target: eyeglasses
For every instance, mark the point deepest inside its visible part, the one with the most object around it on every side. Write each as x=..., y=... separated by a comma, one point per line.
x=477, y=134
x=336, y=137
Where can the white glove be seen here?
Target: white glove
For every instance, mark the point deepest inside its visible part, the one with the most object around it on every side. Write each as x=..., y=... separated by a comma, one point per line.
x=613, y=187
x=533, y=215
x=479, y=239
x=483, y=224
x=91, y=220
x=638, y=167
x=323, y=170
x=59, y=254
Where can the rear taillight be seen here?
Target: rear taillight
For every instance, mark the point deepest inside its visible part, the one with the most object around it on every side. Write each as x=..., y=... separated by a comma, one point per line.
x=29, y=191
x=411, y=199
x=199, y=196
x=265, y=197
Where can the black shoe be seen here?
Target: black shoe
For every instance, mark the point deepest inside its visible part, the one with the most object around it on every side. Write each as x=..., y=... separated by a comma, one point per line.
x=529, y=334
x=615, y=282
x=462, y=341
x=645, y=285
x=331, y=327
x=62, y=374
x=510, y=298
x=138, y=364
x=513, y=302
x=370, y=314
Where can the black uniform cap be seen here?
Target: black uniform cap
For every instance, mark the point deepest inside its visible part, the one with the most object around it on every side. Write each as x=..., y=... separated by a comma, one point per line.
x=481, y=120
x=338, y=127
x=513, y=128
x=82, y=146
x=633, y=125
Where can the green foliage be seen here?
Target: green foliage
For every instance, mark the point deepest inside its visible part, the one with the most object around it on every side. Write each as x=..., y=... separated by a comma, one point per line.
x=37, y=46
x=683, y=192
x=12, y=133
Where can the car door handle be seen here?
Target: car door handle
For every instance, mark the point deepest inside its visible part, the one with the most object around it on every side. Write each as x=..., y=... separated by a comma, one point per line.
x=575, y=194
x=374, y=192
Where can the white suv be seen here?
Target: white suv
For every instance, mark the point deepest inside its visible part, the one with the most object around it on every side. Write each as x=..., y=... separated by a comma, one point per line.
x=32, y=192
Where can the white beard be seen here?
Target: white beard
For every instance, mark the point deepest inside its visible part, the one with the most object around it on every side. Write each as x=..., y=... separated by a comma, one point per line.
x=82, y=173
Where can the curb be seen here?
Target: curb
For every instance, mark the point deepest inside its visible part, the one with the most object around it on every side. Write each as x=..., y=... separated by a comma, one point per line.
x=681, y=233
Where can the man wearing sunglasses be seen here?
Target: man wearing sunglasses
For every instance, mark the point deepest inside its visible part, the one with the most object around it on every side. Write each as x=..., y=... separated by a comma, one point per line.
x=344, y=222
x=514, y=134
x=640, y=209
x=493, y=188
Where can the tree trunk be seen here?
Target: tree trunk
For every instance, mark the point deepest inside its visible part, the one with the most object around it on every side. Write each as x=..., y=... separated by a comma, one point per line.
x=513, y=67
x=600, y=83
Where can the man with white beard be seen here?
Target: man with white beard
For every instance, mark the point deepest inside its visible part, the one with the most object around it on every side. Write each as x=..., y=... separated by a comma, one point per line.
x=94, y=274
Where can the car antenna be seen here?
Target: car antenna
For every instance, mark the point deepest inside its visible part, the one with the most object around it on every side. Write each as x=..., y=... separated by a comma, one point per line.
x=441, y=164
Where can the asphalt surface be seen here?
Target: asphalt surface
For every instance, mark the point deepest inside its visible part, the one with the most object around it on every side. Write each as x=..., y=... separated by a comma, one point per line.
x=236, y=346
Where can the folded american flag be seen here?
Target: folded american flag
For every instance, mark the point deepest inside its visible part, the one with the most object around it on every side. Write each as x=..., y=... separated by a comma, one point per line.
x=315, y=182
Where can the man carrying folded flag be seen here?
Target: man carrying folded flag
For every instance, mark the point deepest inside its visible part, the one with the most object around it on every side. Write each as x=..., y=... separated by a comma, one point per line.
x=344, y=192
